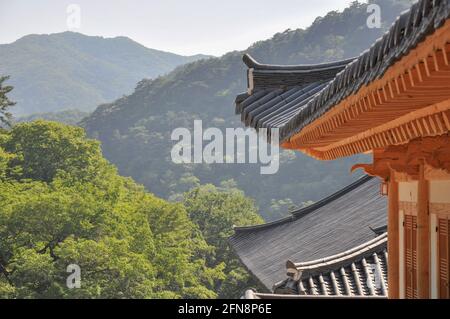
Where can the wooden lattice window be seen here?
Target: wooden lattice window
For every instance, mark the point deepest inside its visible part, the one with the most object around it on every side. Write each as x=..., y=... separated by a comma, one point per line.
x=443, y=257
x=410, y=242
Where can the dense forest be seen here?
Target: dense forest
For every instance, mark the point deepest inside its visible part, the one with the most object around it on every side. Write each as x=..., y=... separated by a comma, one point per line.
x=70, y=70
x=62, y=203
x=135, y=130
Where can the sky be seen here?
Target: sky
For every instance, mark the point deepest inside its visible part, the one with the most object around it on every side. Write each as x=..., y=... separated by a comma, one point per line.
x=181, y=26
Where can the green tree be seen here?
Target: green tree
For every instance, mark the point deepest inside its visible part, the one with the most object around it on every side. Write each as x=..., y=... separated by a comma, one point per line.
x=42, y=149
x=5, y=103
x=69, y=206
x=216, y=211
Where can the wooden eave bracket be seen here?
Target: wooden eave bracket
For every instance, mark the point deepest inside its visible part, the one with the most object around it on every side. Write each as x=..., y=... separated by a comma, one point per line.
x=407, y=159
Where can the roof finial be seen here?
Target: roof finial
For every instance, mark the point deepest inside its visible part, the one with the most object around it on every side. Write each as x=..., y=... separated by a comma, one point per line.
x=249, y=61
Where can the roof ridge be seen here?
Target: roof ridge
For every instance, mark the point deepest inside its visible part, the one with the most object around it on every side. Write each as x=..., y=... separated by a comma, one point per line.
x=263, y=226
x=347, y=189
x=369, y=246
x=252, y=63
x=308, y=209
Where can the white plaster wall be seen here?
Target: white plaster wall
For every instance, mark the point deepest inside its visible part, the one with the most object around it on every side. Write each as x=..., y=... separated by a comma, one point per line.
x=408, y=191
x=440, y=192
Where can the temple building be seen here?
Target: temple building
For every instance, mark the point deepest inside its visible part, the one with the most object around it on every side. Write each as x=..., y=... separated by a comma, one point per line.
x=393, y=101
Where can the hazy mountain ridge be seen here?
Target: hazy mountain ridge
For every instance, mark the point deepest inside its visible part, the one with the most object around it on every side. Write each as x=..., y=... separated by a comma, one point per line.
x=135, y=130
x=70, y=117
x=73, y=71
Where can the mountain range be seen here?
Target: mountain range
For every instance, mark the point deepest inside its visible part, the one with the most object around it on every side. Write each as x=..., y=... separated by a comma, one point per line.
x=73, y=71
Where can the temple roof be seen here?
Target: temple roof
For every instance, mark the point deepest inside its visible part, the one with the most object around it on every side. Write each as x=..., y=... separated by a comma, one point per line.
x=292, y=97
x=331, y=226
x=276, y=93
x=360, y=271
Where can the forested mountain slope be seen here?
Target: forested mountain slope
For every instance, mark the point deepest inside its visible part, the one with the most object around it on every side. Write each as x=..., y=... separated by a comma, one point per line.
x=71, y=117
x=135, y=130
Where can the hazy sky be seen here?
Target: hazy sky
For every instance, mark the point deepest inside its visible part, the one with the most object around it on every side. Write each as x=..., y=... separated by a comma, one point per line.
x=180, y=26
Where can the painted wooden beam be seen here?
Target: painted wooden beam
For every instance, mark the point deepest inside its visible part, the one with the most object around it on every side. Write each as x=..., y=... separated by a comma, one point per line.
x=430, y=121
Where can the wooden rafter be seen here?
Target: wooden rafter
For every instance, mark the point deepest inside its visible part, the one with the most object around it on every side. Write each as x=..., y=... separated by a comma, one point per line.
x=426, y=122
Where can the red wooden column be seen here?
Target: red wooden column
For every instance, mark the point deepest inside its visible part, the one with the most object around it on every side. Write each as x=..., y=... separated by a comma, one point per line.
x=393, y=239
x=423, y=237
